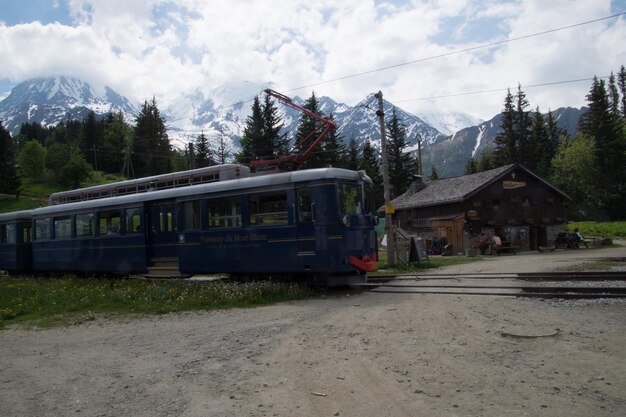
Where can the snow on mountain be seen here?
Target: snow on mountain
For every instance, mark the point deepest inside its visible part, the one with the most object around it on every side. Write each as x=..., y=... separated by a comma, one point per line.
x=448, y=140
x=51, y=100
x=450, y=123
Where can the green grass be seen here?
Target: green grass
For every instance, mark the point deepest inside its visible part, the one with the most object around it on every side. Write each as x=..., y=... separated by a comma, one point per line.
x=9, y=204
x=431, y=263
x=600, y=229
x=46, y=302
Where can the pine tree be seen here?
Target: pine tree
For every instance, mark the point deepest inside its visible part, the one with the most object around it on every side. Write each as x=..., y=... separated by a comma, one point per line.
x=401, y=166
x=471, y=167
x=223, y=151
x=574, y=172
x=10, y=182
x=433, y=173
x=308, y=131
x=614, y=96
x=333, y=149
x=505, y=141
x=525, y=149
x=551, y=146
x=607, y=129
x=277, y=144
x=537, y=160
x=202, y=155
x=370, y=163
x=152, y=152
x=90, y=139
x=116, y=134
x=251, y=140
x=487, y=160
x=353, y=155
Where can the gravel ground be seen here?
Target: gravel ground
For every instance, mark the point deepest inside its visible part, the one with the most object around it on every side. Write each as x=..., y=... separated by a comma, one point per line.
x=367, y=354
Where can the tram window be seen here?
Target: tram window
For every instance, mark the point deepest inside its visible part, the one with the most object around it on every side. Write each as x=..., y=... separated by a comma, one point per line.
x=304, y=204
x=191, y=215
x=26, y=230
x=9, y=233
x=268, y=209
x=109, y=222
x=224, y=212
x=62, y=227
x=133, y=220
x=349, y=199
x=42, y=229
x=84, y=224
x=2, y=236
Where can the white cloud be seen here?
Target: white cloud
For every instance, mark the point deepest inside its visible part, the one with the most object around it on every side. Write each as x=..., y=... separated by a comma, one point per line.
x=168, y=48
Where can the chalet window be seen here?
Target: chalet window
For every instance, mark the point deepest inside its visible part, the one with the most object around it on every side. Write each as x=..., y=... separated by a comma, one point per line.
x=496, y=204
x=476, y=203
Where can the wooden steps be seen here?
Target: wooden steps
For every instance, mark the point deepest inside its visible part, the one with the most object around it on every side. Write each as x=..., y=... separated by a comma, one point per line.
x=164, y=268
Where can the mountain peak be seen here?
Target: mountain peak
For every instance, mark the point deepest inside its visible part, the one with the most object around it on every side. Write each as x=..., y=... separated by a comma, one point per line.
x=51, y=100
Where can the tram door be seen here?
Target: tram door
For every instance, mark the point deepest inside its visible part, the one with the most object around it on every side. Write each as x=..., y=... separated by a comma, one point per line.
x=163, y=232
x=306, y=225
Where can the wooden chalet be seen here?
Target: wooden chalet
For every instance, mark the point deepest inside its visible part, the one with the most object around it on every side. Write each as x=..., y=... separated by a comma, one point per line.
x=525, y=210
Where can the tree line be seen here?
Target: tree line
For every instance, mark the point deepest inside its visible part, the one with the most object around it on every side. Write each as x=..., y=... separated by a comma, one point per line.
x=69, y=153
x=590, y=167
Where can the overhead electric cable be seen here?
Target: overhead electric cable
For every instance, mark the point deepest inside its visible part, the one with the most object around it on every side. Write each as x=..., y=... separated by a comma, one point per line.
x=496, y=90
x=460, y=51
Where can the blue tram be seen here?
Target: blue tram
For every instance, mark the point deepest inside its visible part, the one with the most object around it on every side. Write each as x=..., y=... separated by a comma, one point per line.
x=317, y=223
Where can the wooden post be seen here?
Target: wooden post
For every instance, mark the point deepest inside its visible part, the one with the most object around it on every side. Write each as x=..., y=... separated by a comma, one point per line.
x=389, y=229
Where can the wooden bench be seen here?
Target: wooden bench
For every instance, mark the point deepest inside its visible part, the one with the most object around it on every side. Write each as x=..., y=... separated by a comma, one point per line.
x=504, y=249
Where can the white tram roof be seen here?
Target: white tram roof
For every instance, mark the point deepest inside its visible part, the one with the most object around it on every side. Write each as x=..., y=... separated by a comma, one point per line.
x=268, y=181
x=16, y=215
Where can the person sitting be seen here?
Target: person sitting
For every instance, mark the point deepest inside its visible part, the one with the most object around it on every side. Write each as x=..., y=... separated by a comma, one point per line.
x=483, y=244
x=496, y=243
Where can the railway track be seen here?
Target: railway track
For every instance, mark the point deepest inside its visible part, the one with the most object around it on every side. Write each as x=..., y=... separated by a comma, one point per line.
x=567, y=285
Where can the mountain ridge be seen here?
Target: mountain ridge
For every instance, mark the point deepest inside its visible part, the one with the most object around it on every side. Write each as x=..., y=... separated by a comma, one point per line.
x=222, y=112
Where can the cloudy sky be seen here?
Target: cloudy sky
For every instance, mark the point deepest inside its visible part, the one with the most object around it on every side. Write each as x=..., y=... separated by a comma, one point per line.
x=423, y=55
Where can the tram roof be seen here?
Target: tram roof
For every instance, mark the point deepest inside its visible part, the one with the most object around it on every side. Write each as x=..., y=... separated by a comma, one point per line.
x=261, y=181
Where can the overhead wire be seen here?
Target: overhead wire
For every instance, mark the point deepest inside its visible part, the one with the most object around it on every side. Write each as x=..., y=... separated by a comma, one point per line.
x=433, y=57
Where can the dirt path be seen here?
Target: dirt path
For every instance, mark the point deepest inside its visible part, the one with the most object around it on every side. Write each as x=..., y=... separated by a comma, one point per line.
x=346, y=355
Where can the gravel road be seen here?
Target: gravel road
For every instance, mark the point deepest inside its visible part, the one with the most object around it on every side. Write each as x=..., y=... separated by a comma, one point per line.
x=347, y=354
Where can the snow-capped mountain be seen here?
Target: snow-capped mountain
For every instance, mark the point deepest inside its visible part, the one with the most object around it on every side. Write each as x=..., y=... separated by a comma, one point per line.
x=450, y=123
x=224, y=111
x=221, y=115
x=51, y=100
x=451, y=155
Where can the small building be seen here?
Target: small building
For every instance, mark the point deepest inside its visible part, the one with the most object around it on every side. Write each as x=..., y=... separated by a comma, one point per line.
x=511, y=202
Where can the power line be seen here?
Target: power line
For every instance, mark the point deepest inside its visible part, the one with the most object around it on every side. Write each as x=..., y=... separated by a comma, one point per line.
x=430, y=58
x=460, y=51
x=496, y=90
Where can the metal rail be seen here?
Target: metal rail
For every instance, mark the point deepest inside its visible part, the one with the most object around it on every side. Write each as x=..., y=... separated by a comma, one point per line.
x=382, y=284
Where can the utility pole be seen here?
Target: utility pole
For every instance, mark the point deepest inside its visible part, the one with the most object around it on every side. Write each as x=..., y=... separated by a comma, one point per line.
x=419, y=154
x=389, y=209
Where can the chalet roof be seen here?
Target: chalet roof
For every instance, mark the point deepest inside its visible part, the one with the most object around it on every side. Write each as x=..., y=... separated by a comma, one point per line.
x=458, y=189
